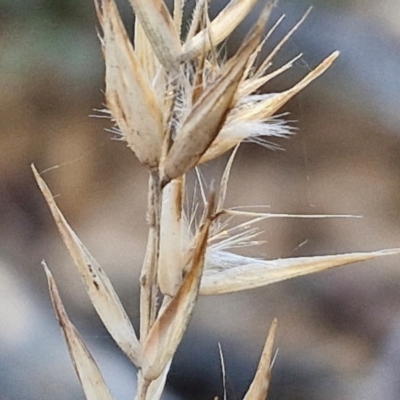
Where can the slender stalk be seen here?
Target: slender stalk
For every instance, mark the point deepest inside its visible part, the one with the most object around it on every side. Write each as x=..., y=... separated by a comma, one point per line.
x=148, y=278
x=142, y=387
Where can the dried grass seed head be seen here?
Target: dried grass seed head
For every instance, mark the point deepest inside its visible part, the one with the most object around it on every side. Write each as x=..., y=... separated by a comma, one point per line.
x=175, y=102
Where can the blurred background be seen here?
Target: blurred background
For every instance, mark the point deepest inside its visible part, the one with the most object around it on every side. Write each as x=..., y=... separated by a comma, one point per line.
x=339, y=331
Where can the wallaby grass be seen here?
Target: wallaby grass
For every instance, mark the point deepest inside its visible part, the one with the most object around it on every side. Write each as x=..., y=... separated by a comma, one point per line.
x=178, y=105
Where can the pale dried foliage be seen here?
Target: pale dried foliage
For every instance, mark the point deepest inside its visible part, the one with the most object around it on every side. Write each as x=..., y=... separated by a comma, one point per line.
x=178, y=105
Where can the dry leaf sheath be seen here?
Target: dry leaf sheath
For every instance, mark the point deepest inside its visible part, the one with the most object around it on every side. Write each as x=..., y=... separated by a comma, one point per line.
x=178, y=105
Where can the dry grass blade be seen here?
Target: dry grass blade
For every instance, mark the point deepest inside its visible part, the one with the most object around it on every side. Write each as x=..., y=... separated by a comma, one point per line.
x=259, y=387
x=167, y=331
x=160, y=30
x=97, y=284
x=88, y=373
x=220, y=28
x=130, y=98
x=264, y=272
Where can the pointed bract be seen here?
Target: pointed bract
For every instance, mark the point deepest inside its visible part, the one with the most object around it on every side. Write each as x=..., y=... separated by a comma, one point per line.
x=160, y=30
x=267, y=108
x=209, y=113
x=225, y=180
x=170, y=265
x=256, y=113
x=201, y=127
x=220, y=28
x=130, y=97
x=88, y=373
x=167, y=331
x=98, y=286
x=264, y=272
x=150, y=66
x=259, y=386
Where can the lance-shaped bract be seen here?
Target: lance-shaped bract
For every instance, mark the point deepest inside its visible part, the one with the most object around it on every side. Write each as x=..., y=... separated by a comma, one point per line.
x=88, y=373
x=160, y=30
x=208, y=115
x=259, y=387
x=225, y=179
x=265, y=272
x=167, y=331
x=220, y=28
x=266, y=108
x=148, y=60
x=202, y=125
x=170, y=264
x=234, y=132
x=130, y=98
x=98, y=286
